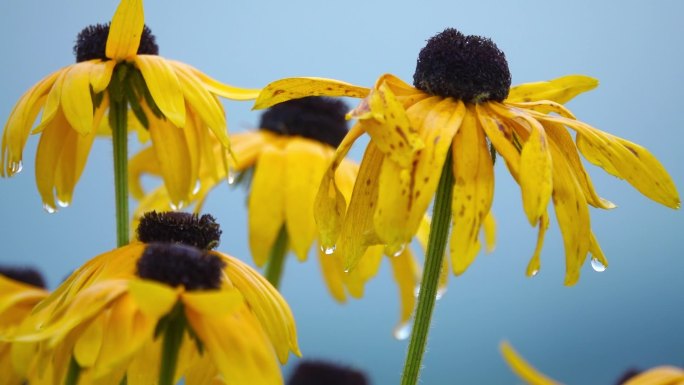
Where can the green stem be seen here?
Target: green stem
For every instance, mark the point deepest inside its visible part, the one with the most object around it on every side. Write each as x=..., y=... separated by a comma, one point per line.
x=73, y=372
x=274, y=269
x=173, y=337
x=120, y=144
x=439, y=230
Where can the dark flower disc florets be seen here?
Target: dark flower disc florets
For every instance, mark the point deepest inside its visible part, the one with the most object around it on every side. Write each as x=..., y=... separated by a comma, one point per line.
x=91, y=43
x=313, y=117
x=26, y=275
x=320, y=372
x=181, y=265
x=178, y=227
x=470, y=68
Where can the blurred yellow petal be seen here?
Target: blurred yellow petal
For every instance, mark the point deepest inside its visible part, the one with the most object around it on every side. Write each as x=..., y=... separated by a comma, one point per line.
x=294, y=88
x=144, y=162
x=661, y=375
x=164, y=87
x=153, y=298
x=125, y=30
x=218, y=88
x=489, y=226
x=473, y=191
x=48, y=153
x=76, y=100
x=213, y=303
x=522, y=368
x=367, y=267
x=305, y=164
x=534, y=264
x=101, y=74
x=332, y=269
x=89, y=342
x=266, y=205
x=72, y=161
x=560, y=90
x=406, y=273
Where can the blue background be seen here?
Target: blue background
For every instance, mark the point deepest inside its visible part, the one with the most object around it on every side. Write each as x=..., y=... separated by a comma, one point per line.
x=630, y=315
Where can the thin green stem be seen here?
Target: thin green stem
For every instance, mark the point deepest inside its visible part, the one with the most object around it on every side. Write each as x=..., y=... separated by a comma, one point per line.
x=120, y=144
x=439, y=230
x=274, y=269
x=173, y=337
x=73, y=372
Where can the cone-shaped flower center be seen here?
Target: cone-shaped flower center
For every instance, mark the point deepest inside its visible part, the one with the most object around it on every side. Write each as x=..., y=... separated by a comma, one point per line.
x=91, y=43
x=470, y=68
x=319, y=372
x=313, y=117
x=177, y=227
x=176, y=265
x=24, y=274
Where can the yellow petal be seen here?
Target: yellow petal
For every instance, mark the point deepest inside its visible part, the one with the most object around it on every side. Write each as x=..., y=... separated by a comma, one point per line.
x=355, y=280
x=523, y=369
x=405, y=93
x=173, y=157
x=661, y=375
x=144, y=162
x=101, y=74
x=126, y=30
x=473, y=191
x=596, y=252
x=52, y=103
x=218, y=88
x=88, y=345
x=305, y=164
x=406, y=273
x=332, y=269
x=560, y=90
x=152, y=298
x=490, y=232
x=213, y=303
x=498, y=134
x=72, y=161
x=238, y=346
x=294, y=88
x=535, y=262
x=164, y=87
x=266, y=203
x=76, y=101
x=49, y=150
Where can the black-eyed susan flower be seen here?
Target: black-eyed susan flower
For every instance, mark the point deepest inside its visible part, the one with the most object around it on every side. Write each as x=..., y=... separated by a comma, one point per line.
x=285, y=160
x=661, y=375
x=20, y=290
x=167, y=302
x=118, y=71
x=462, y=104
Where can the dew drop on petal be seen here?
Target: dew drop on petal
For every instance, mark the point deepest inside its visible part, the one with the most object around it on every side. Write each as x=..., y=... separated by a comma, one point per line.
x=177, y=206
x=61, y=203
x=395, y=251
x=328, y=250
x=50, y=209
x=534, y=273
x=597, y=265
x=403, y=331
x=197, y=187
x=16, y=167
x=416, y=291
x=440, y=293
x=231, y=175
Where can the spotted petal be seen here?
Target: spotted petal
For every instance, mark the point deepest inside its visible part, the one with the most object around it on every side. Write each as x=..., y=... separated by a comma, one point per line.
x=294, y=88
x=560, y=90
x=126, y=30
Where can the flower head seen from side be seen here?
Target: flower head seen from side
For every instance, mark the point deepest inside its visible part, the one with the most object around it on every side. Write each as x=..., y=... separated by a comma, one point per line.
x=462, y=104
x=222, y=319
x=20, y=290
x=282, y=164
x=118, y=70
x=661, y=375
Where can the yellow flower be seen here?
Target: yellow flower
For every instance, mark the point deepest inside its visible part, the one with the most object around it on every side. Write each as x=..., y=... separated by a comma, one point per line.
x=118, y=69
x=285, y=161
x=20, y=291
x=463, y=103
x=661, y=375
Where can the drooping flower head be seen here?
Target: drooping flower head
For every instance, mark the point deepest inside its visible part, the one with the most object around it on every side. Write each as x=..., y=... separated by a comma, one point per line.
x=282, y=164
x=462, y=103
x=119, y=73
x=20, y=290
x=230, y=322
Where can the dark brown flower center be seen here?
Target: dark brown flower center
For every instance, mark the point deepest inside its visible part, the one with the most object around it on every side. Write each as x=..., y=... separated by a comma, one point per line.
x=466, y=67
x=181, y=265
x=178, y=227
x=320, y=372
x=91, y=43
x=24, y=274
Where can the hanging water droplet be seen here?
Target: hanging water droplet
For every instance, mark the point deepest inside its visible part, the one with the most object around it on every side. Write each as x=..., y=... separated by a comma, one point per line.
x=400, y=250
x=177, y=206
x=597, y=265
x=50, y=209
x=347, y=270
x=197, y=187
x=395, y=250
x=328, y=250
x=416, y=291
x=440, y=293
x=62, y=203
x=534, y=273
x=403, y=331
x=231, y=175
x=16, y=167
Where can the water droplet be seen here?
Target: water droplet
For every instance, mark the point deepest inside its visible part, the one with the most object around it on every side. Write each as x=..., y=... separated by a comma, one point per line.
x=440, y=293
x=416, y=291
x=534, y=273
x=177, y=206
x=50, y=209
x=62, y=203
x=197, y=187
x=16, y=167
x=347, y=270
x=395, y=251
x=597, y=265
x=231, y=175
x=328, y=250
x=403, y=331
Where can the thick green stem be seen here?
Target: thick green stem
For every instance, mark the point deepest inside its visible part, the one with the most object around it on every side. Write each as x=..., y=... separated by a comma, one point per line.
x=274, y=269
x=173, y=338
x=439, y=231
x=73, y=372
x=120, y=144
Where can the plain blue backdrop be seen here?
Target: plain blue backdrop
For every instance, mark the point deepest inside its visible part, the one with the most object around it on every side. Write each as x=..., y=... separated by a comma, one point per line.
x=631, y=315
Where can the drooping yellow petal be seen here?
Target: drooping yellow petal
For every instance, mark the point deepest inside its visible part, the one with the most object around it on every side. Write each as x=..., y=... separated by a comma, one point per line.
x=126, y=30
x=661, y=375
x=535, y=262
x=499, y=134
x=173, y=156
x=152, y=298
x=560, y=90
x=472, y=193
x=49, y=150
x=266, y=205
x=489, y=227
x=405, y=93
x=101, y=74
x=406, y=273
x=522, y=368
x=218, y=88
x=72, y=161
x=238, y=346
x=355, y=280
x=332, y=269
x=52, y=103
x=164, y=87
x=305, y=164
x=596, y=252
x=76, y=101
x=294, y=88
x=213, y=303
x=89, y=343
x=144, y=162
